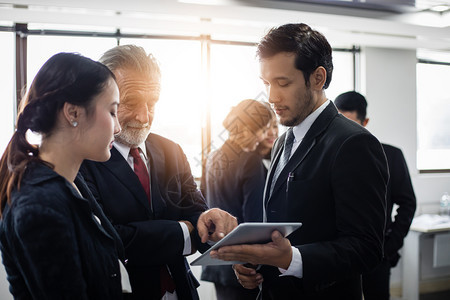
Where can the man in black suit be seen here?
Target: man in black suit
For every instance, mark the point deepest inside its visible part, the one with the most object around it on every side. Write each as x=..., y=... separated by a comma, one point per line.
x=330, y=174
x=147, y=189
x=400, y=191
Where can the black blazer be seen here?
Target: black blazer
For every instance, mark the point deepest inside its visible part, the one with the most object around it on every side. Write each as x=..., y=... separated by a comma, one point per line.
x=152, y=237
x=235, y=183
x=335, y=184
x=52, y=245
x=400, y=192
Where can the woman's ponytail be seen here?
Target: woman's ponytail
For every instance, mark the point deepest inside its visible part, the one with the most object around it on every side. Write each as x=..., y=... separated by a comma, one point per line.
x=16, y=157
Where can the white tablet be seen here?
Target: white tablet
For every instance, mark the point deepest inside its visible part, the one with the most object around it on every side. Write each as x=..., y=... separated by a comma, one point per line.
x=245, y=233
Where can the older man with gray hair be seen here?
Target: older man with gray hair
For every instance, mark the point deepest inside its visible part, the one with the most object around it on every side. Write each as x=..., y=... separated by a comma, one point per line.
x=147, y=189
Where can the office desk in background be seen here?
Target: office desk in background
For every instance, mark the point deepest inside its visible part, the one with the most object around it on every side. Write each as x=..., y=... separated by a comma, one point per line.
x=425, y=229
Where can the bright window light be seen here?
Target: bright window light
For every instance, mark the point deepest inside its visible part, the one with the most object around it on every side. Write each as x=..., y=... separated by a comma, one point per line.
x=343, y=74
x=433, y=115
x=41, y=48
x=6, y=88
x=180, y=109
x=234, y=77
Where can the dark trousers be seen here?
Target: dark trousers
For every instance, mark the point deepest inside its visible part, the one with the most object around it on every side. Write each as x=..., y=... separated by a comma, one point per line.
x=224, y=292
x=376, y=283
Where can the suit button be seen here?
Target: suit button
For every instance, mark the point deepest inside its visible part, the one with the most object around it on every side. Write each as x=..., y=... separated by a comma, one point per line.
x=113, y=275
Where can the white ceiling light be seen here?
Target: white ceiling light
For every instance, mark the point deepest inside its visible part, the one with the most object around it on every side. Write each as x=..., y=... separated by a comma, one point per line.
x=206, y=2
x=440, y=8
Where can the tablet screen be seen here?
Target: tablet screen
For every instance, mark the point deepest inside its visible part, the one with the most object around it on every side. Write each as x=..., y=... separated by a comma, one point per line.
x=246, y=233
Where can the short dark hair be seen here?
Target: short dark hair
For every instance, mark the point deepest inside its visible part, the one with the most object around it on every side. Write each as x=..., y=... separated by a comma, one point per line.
x=311, y=48
x=352, y=101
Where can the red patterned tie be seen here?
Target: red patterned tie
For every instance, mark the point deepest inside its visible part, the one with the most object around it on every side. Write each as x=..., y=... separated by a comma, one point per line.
x=141, y=171
x=167, y=284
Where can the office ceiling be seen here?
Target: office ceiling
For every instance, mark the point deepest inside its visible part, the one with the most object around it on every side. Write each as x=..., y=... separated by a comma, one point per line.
x=395, y=6
x=382, y=23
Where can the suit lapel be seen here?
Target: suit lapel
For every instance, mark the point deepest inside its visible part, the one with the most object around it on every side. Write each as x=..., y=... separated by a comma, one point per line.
x=157, y=168
x=278, y=149
x=88, y=201
x=118, y=166
x=297, y=158
x=309, y=141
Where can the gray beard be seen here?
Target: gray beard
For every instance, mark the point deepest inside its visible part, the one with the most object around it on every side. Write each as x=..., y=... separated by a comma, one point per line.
x=132, y=138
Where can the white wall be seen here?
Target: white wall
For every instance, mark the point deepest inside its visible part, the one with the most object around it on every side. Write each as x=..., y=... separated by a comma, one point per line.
x=390, y=88
x=389, y=83
x=4, y=285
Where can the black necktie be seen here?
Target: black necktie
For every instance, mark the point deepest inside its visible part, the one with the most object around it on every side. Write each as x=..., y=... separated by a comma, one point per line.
x=284, y=158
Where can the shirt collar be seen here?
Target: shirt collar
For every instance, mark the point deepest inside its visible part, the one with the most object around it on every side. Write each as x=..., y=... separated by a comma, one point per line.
x=301, y=129
x=124, y=150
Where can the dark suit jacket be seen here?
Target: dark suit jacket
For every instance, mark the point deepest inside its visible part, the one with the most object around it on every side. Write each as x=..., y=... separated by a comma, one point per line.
x=235, y=183
x=336, y=188
x=152, y=237
x=52, y=246
x=400, y=192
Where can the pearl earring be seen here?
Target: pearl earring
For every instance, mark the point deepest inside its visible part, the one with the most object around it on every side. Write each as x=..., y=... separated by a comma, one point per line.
x=74, y=123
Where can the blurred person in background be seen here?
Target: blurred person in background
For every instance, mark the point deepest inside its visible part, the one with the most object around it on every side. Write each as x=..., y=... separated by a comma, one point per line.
x=56, y=243
x=265, y=147
x=400, y=191
x=235, y=181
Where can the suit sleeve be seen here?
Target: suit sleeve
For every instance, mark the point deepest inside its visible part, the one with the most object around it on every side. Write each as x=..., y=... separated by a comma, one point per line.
x=145, y=236
x=358, y=181
x=190, y=202
x=402, y=194
x=144, y=246
x=142, y=239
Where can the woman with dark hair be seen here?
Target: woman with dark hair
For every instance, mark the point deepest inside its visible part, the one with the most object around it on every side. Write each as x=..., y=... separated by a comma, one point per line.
x=56, y=243
x=235, y=181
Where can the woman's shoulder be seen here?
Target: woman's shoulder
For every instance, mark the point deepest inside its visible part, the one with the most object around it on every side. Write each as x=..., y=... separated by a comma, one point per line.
x=38, y=206
x=35, y=194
